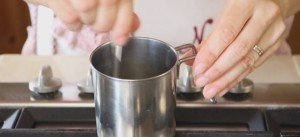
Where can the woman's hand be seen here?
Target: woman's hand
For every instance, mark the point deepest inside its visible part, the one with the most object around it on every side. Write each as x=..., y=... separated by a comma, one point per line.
x=102, y=15
x=245, y=35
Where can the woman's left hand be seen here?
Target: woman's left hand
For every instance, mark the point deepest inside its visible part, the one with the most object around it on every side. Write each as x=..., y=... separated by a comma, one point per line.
x=246, y=34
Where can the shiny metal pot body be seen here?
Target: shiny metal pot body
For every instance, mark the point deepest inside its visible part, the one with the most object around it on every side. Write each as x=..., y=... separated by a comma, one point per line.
x=135, y=88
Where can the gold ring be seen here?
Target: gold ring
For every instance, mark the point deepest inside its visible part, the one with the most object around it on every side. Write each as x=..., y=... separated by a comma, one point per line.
x=258, y=50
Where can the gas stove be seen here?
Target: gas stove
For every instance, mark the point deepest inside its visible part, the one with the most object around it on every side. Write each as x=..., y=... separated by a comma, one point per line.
x=58, y=109
x=270, y=110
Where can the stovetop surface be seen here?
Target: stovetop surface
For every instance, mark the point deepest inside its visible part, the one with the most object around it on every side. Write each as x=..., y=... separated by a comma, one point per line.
x=271, y=110
x=263, y=95
x=92, y=133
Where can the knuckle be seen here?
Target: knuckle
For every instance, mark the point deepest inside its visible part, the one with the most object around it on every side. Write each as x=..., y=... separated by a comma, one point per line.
x=248, y=63
x=86, y=5
x=109, y=2
x=281, y=27
x=211, y=56
x=227, y=34
x=273, y=8
x=271, y=12
x=249, y=5
x=102, y=28
x=216, y=71
x=241, y=48
x=246, y=5
x=251, y=69
x=71, y=19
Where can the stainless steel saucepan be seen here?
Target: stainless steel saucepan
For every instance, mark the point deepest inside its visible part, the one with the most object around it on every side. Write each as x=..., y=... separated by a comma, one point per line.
x=135, y=87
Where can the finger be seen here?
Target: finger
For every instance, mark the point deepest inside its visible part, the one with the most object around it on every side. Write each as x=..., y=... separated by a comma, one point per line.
x=259, y=62
x=229, y=26
x=276, y=35
x=223, y=92
x=64, y=11
x=234, y=83
x=243, y=68
x=270, y=38
x=86, y=10
x=124, y=22
x=136, y=23
x=241, y=46
x=219, y=85
x=269, y=43
x=106, y=15
x=190, y=52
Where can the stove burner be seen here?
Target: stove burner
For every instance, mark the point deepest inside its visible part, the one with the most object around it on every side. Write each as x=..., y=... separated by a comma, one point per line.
x=92, y=133
x=190, y=96
x=185, y=82
x=243, y=87
x=52, y=95
x=86, y=85
x=86, y=95
x=237, y=97
x=45, y=82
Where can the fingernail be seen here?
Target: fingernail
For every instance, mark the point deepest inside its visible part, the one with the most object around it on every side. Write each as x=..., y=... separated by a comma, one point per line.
x=210, y=93
x=201, y=81
x=200, y=68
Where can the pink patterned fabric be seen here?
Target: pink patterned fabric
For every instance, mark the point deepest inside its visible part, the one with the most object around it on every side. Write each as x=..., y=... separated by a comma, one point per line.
x=85, y=40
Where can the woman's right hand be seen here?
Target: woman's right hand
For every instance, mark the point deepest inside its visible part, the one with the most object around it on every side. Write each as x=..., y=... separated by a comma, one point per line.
x=116, y=16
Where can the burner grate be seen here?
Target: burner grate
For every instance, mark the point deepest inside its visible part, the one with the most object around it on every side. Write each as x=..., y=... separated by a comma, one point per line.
x=92, y=133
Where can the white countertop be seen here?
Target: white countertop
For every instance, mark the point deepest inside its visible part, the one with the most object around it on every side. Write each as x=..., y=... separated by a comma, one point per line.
x=23, y=68
x=71, y=69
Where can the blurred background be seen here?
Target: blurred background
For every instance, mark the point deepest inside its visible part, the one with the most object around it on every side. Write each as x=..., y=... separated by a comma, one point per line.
x=14, y=18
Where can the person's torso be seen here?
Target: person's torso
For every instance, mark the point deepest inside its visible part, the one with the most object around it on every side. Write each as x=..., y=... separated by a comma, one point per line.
x=177, y=21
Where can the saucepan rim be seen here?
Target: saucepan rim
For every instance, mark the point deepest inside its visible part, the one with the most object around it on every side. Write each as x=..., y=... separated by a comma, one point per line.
x=143, y=79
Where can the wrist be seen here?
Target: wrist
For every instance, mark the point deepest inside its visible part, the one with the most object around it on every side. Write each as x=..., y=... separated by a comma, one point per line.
x=290, y=7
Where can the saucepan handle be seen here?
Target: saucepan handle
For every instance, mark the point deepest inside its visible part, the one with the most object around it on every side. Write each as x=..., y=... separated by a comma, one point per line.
x=184, y=59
